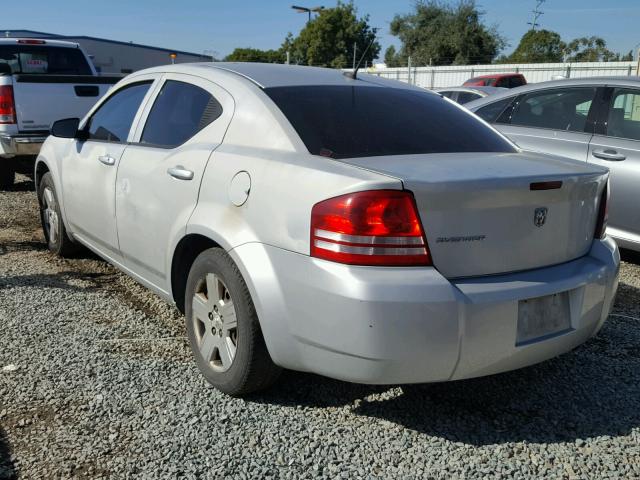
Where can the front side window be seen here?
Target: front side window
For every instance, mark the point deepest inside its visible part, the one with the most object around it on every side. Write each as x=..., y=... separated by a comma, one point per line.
x=180, y=111
x=559, y=109
x=112, y=121
x=624, y=114
x=491, y=112
x=359, y=121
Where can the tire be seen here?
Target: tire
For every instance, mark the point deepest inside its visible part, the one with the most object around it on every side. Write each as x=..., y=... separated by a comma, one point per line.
x=231, y=355
x=55, y=233
x=7, y=173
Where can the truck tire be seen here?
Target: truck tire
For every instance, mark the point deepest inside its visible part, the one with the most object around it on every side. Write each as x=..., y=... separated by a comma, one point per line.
x=223, y=327
x=55, y=233
x=7, y=174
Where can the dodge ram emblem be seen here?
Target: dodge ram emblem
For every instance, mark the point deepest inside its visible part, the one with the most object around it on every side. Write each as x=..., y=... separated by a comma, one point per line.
x=540, y=216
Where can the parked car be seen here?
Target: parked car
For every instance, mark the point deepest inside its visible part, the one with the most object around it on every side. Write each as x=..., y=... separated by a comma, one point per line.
x=41, y=81
x=504, y=80
x=594, y=120
x=419, y=246
x=464, y=95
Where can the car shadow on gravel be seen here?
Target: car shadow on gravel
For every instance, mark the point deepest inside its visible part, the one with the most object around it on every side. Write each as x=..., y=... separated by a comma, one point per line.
x=7, y=471
x=66, y=280
x=27, y=185
x=630, y=256
x=590, y=392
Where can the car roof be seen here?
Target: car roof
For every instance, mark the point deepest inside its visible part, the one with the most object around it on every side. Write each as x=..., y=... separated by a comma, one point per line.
x=269, y=75
x=632, y=81
x=55, y=43
x=473, y=89
x=496, y=75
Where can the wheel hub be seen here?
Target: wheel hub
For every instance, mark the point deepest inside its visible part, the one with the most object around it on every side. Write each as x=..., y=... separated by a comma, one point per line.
x=215, y=325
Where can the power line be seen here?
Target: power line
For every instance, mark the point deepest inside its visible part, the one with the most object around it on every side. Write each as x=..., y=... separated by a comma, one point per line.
x=536, y=14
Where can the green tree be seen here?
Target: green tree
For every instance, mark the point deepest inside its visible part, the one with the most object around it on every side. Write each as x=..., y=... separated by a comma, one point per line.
x=441, y=34
x=328, y=39
x=537, y=46
x=589, y=49
x=256, y=55
x=391, y=58
x=628, y=57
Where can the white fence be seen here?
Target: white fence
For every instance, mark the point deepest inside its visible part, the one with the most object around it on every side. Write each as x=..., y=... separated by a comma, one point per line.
x=455, y=75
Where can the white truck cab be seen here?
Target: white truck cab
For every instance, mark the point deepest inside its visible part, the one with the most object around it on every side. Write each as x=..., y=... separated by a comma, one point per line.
x=41, y=81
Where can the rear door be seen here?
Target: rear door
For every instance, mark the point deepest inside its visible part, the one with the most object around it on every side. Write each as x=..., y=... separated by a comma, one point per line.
x=89, y=169
x=616, y=145
x=553, y=120
x=160, y=172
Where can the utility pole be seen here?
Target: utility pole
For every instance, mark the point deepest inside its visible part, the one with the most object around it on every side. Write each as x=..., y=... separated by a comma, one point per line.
x=288, y=57
x=536, y=14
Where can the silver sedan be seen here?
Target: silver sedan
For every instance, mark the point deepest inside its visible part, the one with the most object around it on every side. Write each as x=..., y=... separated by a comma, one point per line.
x=594, y=120
x=362, y=229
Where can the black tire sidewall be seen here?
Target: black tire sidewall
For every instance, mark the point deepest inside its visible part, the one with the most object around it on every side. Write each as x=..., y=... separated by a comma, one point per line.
x=216, y=261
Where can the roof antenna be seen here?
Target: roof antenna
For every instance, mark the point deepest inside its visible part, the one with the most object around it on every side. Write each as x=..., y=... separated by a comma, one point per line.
x=353, y=75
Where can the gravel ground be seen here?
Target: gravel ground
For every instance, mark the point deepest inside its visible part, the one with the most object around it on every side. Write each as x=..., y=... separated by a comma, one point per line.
x=97, y=381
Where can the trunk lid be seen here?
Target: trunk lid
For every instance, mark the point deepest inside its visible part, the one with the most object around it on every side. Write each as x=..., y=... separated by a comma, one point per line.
x=481, y=216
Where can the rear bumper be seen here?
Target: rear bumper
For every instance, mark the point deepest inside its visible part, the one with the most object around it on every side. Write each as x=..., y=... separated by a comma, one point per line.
x=412, y=325
x=20, y=144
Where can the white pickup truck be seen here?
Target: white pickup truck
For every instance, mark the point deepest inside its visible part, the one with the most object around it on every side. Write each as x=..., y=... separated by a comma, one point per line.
x=41, y=81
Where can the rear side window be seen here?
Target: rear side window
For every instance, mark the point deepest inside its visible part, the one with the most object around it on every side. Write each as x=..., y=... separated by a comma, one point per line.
x=44, y=60
x=350, y=121
x=624, y=115
x=180, y=111
x=491, y=112
x=112, y=121
x=559, y=109
x=465, y=97
x=516, y=82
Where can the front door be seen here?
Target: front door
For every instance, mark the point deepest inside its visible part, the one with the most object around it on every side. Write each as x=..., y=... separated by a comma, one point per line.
x=89, y=170
x=551, y=121
x=160, y=172
x=617, y=147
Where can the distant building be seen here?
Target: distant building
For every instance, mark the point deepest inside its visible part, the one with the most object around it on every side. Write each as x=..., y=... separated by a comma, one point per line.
x=112, y=56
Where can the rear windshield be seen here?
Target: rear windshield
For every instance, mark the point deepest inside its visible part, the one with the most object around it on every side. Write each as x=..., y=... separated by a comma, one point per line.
x=43, y=59
x=348, y=122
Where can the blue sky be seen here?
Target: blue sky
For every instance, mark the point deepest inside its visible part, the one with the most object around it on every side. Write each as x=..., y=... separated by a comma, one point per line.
x=221, y=25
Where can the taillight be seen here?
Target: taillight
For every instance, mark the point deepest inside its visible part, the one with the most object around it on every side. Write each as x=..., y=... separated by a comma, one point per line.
x=603, y=213
x=7, y=105
x=376, y=227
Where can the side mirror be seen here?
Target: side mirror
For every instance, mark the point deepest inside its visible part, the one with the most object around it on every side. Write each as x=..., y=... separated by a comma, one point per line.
x=67, y=128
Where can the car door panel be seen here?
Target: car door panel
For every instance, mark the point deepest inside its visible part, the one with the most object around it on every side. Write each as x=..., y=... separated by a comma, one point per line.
x=624, y=214
x=617, y=147
x=551, y=121
x=89, y=171
x=567, y=144
x=158, y=186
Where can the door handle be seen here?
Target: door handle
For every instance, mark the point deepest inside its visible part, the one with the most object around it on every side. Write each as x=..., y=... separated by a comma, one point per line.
x=608, y=154
x=180, y=173
x=107, y=160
